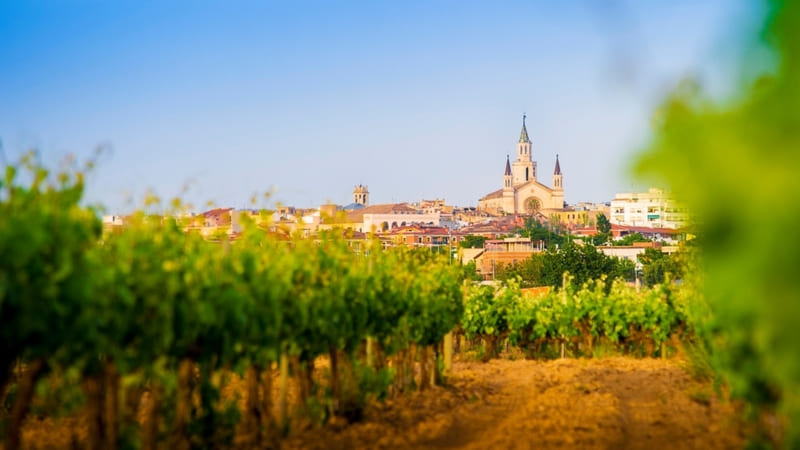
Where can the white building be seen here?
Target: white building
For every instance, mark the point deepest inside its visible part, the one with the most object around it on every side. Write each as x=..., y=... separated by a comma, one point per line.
x=390, y=221
x=654, y=209
x=113, y=220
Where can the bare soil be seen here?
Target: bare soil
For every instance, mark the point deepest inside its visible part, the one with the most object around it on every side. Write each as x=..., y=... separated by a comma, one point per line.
x=588, y=404
x=606, y=403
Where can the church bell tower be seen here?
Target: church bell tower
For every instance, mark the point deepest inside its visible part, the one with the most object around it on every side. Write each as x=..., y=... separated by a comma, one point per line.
x=524, y=169
x=361, y=195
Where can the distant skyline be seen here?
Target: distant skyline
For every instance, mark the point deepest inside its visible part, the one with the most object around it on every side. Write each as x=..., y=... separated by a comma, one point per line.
x=308, y=99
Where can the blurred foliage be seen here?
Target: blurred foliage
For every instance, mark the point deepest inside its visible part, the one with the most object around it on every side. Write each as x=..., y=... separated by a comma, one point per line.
x=658, y=267
x=150, y=304
x=469, y=271
x=736, y=164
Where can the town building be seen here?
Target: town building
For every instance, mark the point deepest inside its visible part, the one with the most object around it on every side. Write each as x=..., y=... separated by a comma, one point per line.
x=421, y=236
x=669, y=235
x=507, y=251
x=386, y=217
x=632, y=252
x=522, y=193
x=653, y=209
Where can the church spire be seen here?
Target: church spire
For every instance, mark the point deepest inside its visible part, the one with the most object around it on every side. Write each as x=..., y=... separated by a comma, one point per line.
x=523, y=136
x=558, y=178
x=508, y=166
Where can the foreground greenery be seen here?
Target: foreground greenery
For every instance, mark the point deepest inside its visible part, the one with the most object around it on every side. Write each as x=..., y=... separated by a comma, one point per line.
x=97, y=320
x=153, y=307
x=736, y=163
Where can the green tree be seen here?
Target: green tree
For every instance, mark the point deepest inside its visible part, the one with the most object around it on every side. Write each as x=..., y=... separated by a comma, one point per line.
x=630, y=239
x=600, y=238
x=472, y=241
x=603, y=225
x=656, y=265
x=528, y=271
x=537, y=231
x=469, y=271
x=603, y=230
x=583, y=263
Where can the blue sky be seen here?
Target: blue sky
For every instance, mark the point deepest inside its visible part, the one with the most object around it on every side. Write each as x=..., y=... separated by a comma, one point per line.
x=415, y=99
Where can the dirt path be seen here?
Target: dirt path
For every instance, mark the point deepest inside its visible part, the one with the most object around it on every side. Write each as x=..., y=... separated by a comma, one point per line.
x=603, y=404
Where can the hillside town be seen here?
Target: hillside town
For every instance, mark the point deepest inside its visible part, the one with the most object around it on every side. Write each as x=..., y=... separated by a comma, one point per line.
x=497, y=220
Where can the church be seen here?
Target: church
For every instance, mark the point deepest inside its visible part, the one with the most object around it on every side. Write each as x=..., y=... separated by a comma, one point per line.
x=522, y=193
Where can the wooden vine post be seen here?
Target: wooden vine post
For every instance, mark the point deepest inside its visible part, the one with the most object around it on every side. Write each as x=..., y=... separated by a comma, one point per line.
x=283, y=391
x=448, y=353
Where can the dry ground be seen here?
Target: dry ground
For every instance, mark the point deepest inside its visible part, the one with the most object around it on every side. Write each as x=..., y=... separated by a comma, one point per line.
x=504, y=404
x=519, y=404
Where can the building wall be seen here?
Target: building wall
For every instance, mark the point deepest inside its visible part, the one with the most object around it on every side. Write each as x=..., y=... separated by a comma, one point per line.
x=653, y=208
x=489, y=261
x=396, y=220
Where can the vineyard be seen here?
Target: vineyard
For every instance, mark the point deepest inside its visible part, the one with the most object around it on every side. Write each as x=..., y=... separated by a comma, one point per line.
x=95, y=323
x=615, y=316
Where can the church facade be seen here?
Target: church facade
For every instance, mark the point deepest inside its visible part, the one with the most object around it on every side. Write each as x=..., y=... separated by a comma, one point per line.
x=522, y=193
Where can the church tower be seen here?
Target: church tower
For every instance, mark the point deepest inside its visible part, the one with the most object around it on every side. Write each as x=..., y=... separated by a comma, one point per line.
x=507, y=177
x=557, y=177
x=508, y=204
x=558, y=186
x=524, y=168
x=361, y=195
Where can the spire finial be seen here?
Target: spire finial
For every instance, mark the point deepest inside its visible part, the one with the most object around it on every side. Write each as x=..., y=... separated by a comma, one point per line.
x=523, y=136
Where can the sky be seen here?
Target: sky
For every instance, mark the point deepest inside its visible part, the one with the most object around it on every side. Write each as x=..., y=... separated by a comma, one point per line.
x=217, y=101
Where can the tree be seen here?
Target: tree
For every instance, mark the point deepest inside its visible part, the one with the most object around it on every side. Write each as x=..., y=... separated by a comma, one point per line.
x=584, y=263
x=600, y=239
x=630, y=239
x=656, y=265
x=538, y=232
x=472, y=241
x=469, y=271
x=603, y=225
x=529, y=271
